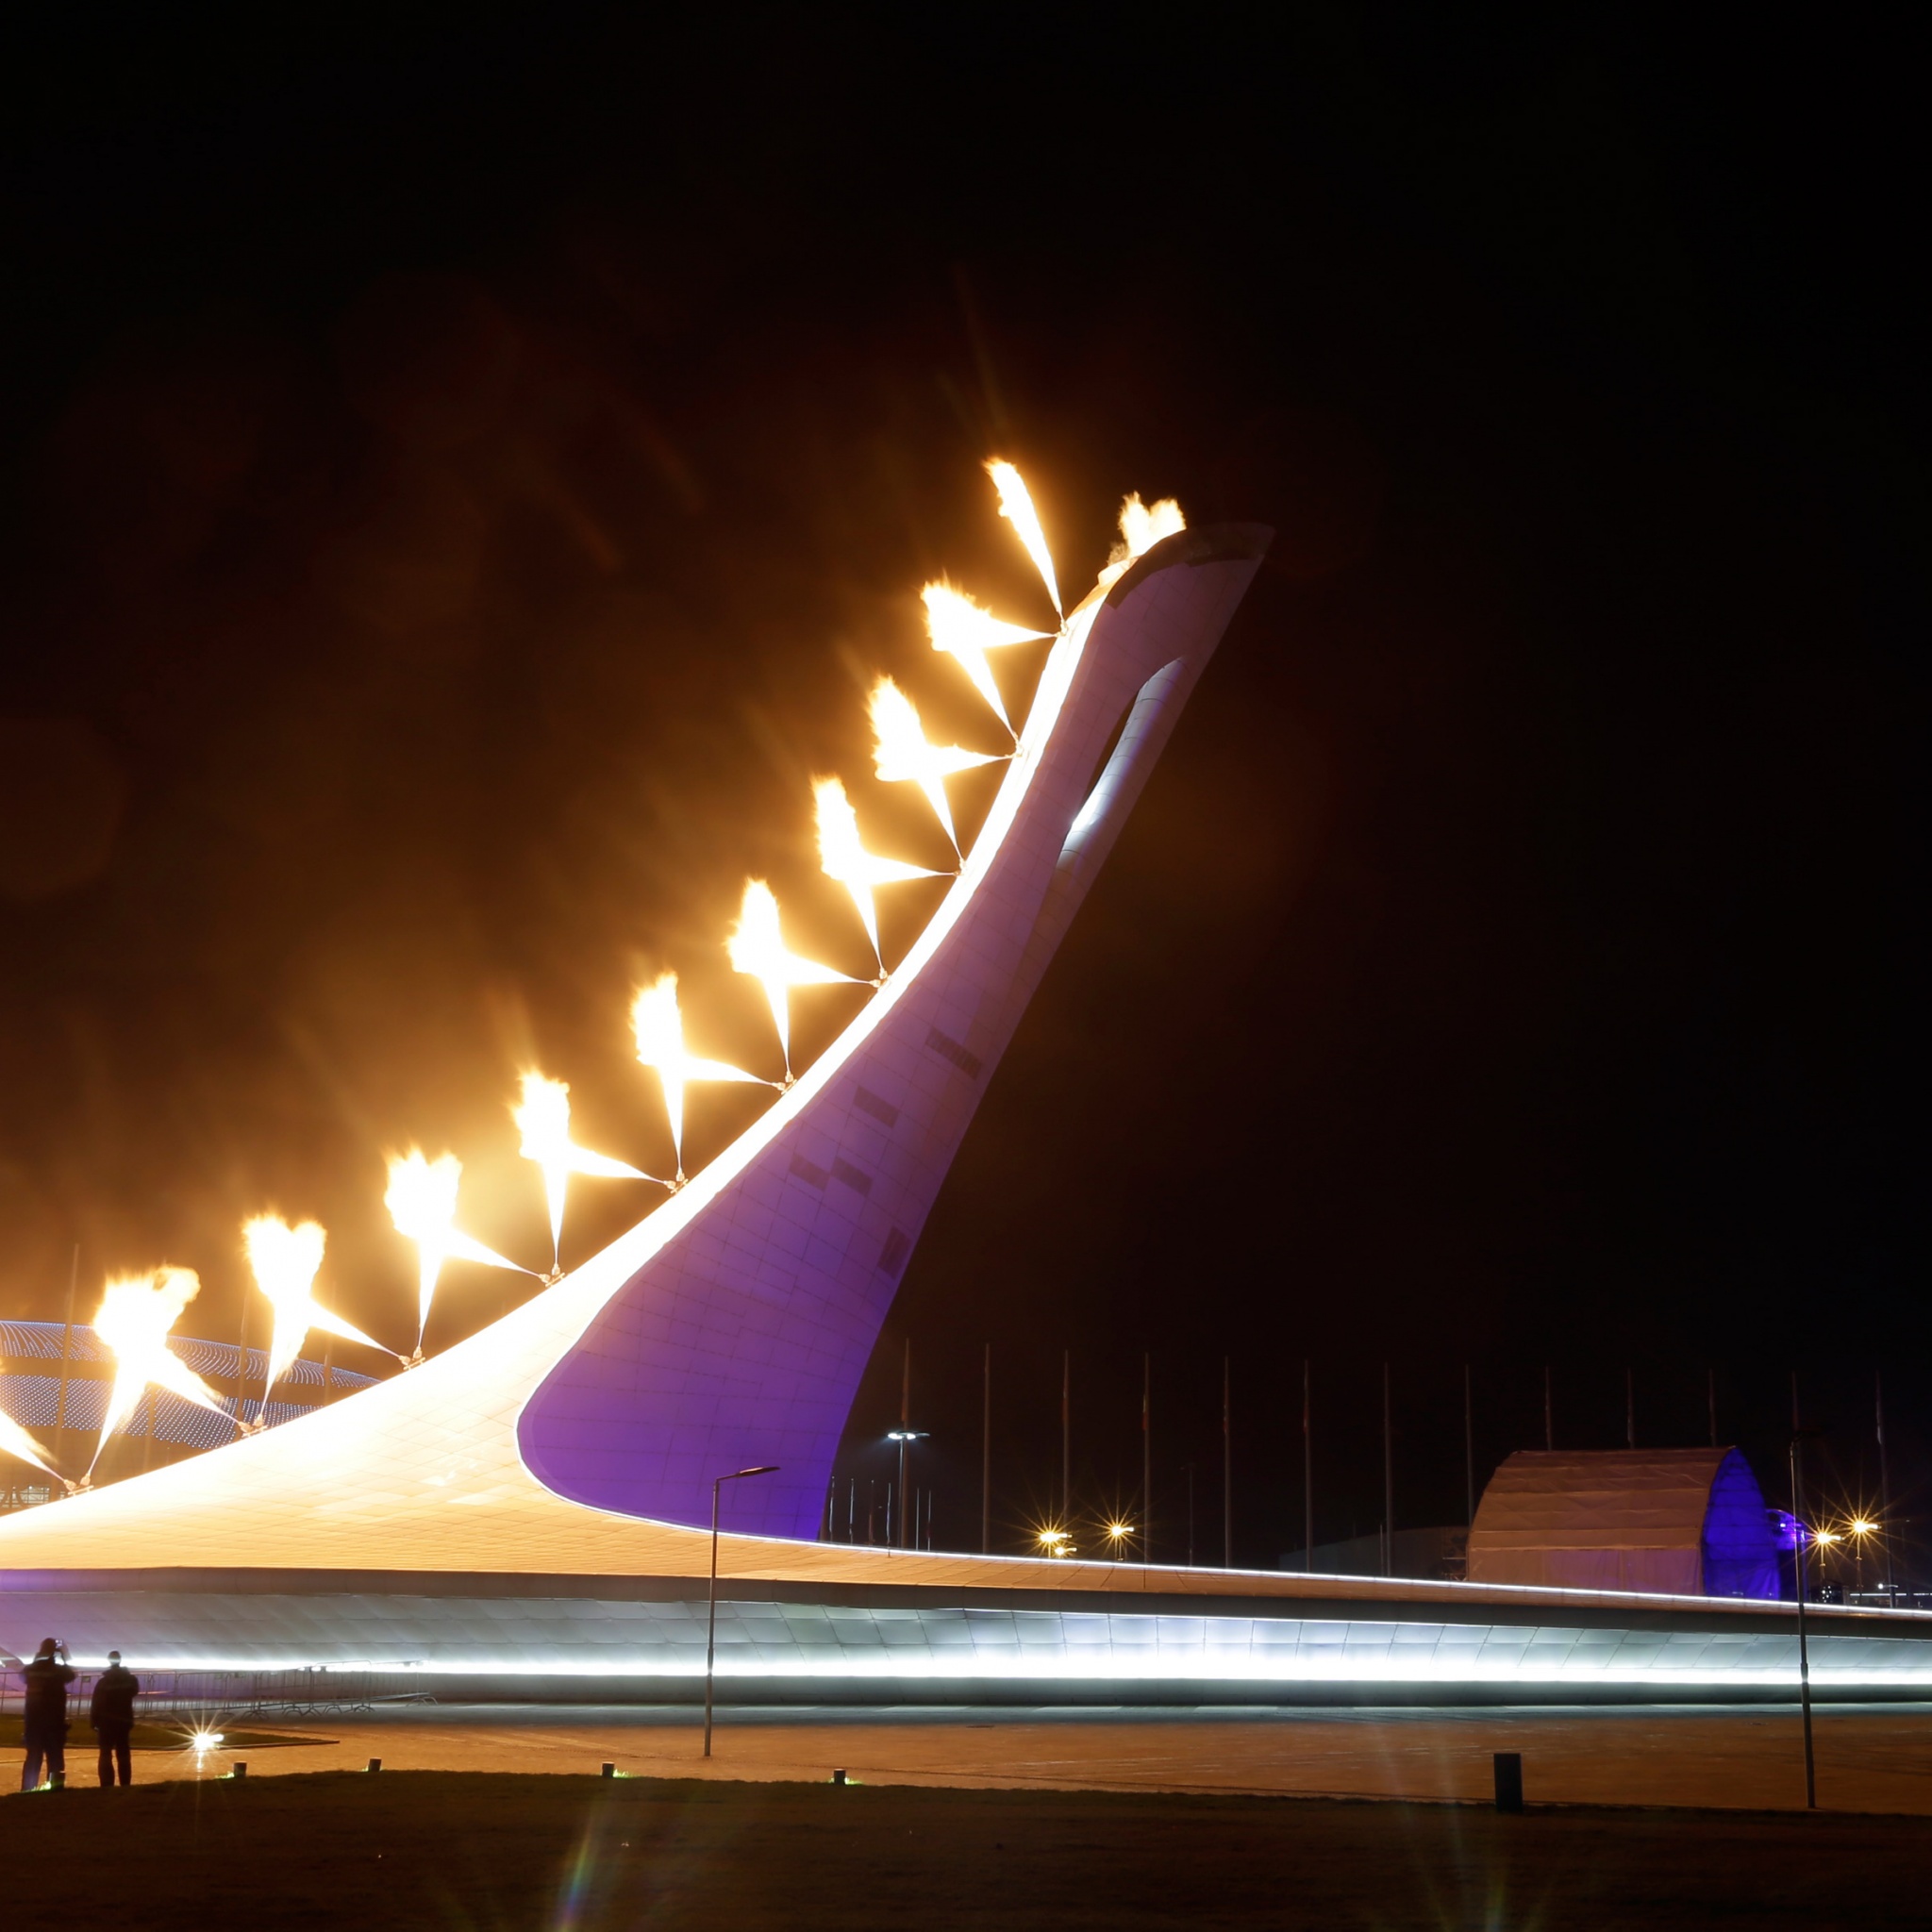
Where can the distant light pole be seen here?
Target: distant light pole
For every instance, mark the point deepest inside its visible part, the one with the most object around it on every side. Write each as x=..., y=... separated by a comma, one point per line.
x=1067, y=1436
x=1884, y=1489
x=1146, y=1458
x=986, y=1459
x=711, y=1613
x=904, y=1423
x=1468, y=1447
x=907, y=1502
x=1226, y=1468
x=1307, y=1469
x=1804, y=1649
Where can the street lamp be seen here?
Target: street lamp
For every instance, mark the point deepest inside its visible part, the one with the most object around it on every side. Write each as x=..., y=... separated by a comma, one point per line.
x=1117, y=1534
x=904, y=1437
x=711, y=1614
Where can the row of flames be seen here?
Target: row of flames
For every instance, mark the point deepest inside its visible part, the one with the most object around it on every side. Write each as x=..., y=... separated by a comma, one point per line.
x=138, y=1313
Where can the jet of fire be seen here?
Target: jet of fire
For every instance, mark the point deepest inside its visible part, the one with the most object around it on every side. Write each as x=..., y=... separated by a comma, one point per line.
x=135, y=1316
x=1016, y=505
x=422, y=1201
x=659, y=1029
x=843, y=856
x=1145, y=525
x=902, y=753
x=543, y=1120
x=757, y=947
x=15, y=1440
x=968, y=631
x=285, y=1261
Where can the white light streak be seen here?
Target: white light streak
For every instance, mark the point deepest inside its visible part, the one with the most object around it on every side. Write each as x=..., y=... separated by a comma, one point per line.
x=660, y=1030
x=757, y=947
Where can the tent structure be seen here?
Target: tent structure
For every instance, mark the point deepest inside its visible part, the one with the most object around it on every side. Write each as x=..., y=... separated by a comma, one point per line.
x=1680, y=1522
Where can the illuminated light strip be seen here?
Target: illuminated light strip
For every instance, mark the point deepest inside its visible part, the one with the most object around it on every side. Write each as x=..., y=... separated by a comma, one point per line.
x=1156, y=1668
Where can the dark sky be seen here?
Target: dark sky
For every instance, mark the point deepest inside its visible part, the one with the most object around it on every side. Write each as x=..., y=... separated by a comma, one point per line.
x=458, y=480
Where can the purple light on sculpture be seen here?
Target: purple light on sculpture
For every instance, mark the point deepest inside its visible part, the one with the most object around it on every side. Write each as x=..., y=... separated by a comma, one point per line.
x=742, y=1339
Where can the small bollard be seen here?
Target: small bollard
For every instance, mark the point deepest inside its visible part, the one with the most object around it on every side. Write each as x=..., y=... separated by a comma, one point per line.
x=611, y=1771
x=1509, y=1780
x=837, y=1777
x=376, y=1764
x=240, y=1768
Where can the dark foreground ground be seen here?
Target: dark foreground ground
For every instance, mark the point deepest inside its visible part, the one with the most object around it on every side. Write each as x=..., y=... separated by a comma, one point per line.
x=476, y=1850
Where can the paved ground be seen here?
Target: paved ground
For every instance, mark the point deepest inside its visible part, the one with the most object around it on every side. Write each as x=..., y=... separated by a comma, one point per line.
x=1870, y=1759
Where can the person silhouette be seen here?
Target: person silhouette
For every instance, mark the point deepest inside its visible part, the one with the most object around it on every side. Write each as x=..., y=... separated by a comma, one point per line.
x=112, y=1713
x=44, y=1730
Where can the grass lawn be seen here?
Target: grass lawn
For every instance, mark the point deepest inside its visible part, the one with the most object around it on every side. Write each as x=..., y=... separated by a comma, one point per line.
x=479, y=1850
x=82, y=1744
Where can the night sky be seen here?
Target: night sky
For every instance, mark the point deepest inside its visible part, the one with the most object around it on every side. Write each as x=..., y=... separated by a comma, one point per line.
x=459, y=479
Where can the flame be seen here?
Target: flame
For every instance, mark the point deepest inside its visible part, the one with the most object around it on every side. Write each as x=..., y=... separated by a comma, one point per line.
x=1016, y=505
x=135, y=1316
x=285, y=1261
x=1145, y=525
x=422, y=1201
x=15, y=1440
x=1142, y=525
x=843, y=856
x=968, y=631
x=659, y=1029
x=757, y=947
x=904, y=755
x=543, y=1121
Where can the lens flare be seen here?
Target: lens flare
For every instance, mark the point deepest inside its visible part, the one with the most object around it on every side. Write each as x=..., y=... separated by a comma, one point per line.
x=1016, y=505
x=757, y=947
x=843, y=857
x=659, y=1029
x=285, y=1261
x=133, y=1321
x=966, y=631
x=15, y=1442
x=904, y=755
x=422, y=1201
x=543, y=1121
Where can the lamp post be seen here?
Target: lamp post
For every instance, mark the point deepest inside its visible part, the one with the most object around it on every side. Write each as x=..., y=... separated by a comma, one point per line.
x=1804, y=1650
x=711, y=1613
x=904, y=1437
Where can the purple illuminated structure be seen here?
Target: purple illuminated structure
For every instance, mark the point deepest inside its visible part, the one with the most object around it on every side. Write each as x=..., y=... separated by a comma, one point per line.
x=742, y=1339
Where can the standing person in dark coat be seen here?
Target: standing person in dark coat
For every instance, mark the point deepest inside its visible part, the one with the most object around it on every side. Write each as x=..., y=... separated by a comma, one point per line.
x=112, y=1713
x=46, y=1679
